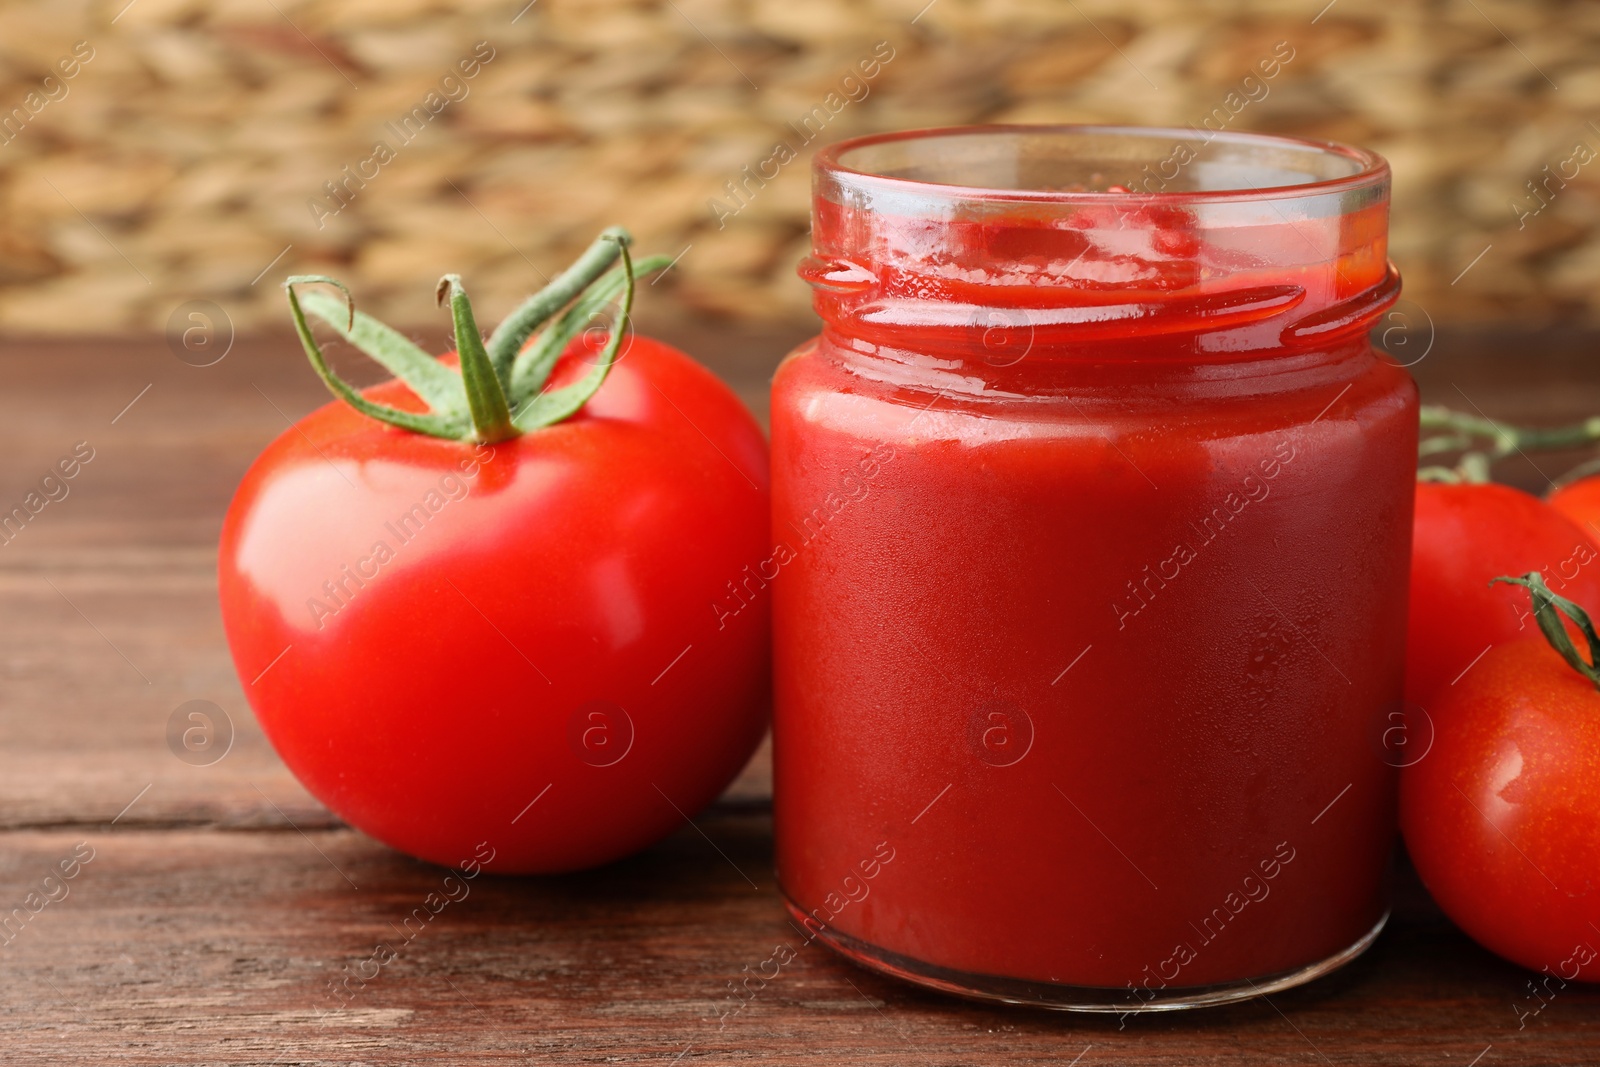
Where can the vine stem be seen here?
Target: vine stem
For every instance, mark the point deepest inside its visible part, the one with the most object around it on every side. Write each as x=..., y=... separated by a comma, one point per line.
x=1485, y=441
x=1582, y=470
x=1505, y=437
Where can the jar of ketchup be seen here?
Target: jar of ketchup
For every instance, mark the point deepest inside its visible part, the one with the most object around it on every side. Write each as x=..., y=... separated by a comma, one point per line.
x=1093, y=510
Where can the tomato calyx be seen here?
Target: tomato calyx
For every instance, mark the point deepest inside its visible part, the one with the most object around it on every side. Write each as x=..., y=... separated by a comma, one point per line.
x=500, y=390
x=1548, y=608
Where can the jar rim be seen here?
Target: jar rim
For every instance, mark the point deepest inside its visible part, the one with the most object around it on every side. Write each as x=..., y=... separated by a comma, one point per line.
x=1370, y=169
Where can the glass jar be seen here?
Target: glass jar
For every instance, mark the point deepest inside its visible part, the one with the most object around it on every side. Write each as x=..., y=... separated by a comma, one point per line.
x=1093, y=505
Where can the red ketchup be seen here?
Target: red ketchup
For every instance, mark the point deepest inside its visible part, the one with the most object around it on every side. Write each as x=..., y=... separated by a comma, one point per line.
x=1093, y=508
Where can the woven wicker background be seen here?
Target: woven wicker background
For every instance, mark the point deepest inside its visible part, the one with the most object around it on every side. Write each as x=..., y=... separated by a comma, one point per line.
x=185, y=156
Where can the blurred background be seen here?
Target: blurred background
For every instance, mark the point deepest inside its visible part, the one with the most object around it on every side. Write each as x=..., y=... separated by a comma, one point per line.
x=158, y=152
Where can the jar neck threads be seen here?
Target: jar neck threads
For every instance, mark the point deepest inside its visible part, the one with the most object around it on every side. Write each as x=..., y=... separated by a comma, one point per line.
x=1062, y=261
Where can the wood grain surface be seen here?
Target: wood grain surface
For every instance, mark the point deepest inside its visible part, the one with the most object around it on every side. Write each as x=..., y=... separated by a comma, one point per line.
x=222, y=901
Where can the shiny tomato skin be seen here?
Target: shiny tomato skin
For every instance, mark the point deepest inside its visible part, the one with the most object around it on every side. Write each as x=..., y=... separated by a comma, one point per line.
x=440, y=697
x=1466, y=535
x=1580, y=502
x=1502, y=817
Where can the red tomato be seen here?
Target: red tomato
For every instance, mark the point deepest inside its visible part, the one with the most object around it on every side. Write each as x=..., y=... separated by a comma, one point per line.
x=1580, y=502
x=1502, y=817
x=529, y=650
x=1464, y=536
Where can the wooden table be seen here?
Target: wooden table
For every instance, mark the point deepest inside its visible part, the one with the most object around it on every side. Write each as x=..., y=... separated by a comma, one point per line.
x=221, y=900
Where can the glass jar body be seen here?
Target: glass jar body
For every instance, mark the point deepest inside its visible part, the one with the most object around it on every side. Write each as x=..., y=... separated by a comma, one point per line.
x=1088, y=640
x=1107, y=675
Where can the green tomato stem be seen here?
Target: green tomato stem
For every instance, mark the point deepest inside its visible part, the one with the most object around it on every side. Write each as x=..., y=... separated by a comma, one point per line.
x=500, y=389
x=1507, y=438
x=534, y=363
x=544, y=408
x=486, y=400
x=1440, y=475
x=1582, y=470
x=517, y=327
x=1474, y=468
x=1463, y=431
x=435, y=425
x=1548, y=608
x=435, y=383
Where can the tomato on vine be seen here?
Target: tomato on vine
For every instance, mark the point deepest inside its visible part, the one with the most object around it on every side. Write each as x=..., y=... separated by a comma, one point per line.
x=1502, y=818
x=1579, y=501
x=1464, y=535
x=474, y=607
